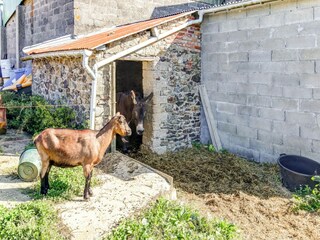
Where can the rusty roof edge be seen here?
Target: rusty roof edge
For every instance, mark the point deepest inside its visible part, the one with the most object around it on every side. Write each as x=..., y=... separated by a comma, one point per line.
x=180, y=15
x=70, y=53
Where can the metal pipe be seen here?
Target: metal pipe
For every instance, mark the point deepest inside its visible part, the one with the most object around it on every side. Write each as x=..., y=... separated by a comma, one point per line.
x=93, y=74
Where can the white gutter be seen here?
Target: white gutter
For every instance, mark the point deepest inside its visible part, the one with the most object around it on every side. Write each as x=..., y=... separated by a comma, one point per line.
x=53, y=54
x=152, y=40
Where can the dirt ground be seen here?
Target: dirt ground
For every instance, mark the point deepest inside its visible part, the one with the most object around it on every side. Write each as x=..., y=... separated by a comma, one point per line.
x=245, y=193
x=126, y=187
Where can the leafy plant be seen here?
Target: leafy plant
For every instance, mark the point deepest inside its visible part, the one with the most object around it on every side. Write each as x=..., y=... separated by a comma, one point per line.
x=308, y=199
x=34, y=114
x=168, y=220
x=199, y=145
x=65, y=183
x=33, y=220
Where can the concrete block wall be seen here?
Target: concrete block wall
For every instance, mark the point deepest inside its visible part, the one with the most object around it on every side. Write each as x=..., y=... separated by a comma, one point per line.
x=97, y=14
x=261, y=68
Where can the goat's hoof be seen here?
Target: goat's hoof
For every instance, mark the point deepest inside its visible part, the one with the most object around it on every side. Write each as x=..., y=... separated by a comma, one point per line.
x=86, y=198
x=90, y=193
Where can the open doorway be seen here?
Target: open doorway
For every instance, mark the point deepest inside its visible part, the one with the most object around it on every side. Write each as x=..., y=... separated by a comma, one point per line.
x=129, y=76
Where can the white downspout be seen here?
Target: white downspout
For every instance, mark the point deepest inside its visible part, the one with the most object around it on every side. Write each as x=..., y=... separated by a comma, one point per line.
x=93, y=74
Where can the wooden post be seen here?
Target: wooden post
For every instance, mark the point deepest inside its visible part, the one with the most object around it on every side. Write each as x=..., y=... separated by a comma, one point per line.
x=209, y=117
x=113, y=98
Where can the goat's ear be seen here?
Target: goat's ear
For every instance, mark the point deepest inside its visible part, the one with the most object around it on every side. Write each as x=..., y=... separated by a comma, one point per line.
x=147, y=99
x=117, y=114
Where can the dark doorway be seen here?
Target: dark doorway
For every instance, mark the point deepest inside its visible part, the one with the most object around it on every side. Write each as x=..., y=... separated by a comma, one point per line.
x=129, y=77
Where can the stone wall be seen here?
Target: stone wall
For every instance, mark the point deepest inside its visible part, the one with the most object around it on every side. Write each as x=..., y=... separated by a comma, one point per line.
x=261, y=68
x=63, y=81
x=173, y=77
x=173, y=119
x=96, y=14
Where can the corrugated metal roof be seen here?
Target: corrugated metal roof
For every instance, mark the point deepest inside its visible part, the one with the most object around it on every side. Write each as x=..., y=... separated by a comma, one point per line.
x=93, y=41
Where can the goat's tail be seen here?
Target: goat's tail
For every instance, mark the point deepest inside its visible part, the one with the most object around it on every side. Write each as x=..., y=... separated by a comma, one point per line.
x=35, y=139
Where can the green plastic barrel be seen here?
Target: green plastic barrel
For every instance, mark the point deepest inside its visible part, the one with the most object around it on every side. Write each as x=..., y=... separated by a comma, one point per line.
x=29, y=165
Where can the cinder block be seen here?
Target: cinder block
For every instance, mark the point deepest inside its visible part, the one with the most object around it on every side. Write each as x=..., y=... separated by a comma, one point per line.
x=312, y=155
x=285, y=128
x=239, y=120
x=209, y=27
x=263, y=78
x=224, y=117
x=301, y=42
x=247, y=132
x=308, y=4
x=227, y=87
x=274, y=20
x=279, y=149
x=227, y=127
x=249, y=67
x=267, y=90
x=267, y=158
x=316, y=146
x=270, y=137
x=226, y=107
x=285, y=80
x=244, y=88
x=297, y=92
x=260, y=56
x=273, y=67
x=285, y=104
x=287, y=6
x=229, y=26
x=304, y=144
x=244, y=152
x=239, y=57
x=218, y=57
x=317, y=66
x=239, y=141
x=270, y=113
x=310, y=54
x=259, y=34
x=238, y=36
x=218, y=17
x=228, y=67
x=309, y=28
x=301, y=118
x=299, y=16
x=236, y=14
x=286, y=31
x=260, y=123
x=310, y=106
x=258, y=11
x=316, y=13
x=261, y=146
x=259, y=101
x=248, y=46
x=247, y=110
x=248, y=23
x=285, y=55
x=235, y=77
x=310, y=81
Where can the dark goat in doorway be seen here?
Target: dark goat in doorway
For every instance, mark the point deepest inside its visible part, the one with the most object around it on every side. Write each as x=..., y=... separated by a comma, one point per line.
x=134, y=108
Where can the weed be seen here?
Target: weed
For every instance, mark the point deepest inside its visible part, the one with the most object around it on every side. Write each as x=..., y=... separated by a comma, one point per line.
x=34, y=114
x=65, y=183
x=308, y=199
x=168, y=220
x=33, y=220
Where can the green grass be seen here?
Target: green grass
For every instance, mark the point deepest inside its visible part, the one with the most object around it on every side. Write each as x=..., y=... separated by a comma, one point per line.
x=169, y=220
x=308, y=199
x=65, y=183
x=33, y=220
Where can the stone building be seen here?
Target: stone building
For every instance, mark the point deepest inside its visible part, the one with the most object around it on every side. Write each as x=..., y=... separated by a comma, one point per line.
x=36, y=21
x=160, y=55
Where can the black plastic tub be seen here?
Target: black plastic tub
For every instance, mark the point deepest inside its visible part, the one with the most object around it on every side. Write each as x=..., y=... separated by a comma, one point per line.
x=297, y=171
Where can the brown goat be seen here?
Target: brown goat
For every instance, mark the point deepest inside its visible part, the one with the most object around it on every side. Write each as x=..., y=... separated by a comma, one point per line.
x=71, y=148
